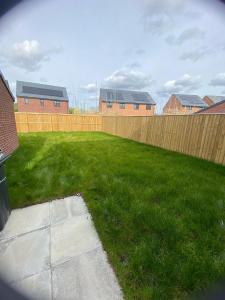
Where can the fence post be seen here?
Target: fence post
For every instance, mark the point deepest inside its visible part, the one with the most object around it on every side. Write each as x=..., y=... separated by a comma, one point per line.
x=28, y=129
x=51, y=123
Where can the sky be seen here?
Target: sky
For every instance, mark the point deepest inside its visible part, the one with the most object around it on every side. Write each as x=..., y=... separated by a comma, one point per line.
x=158, y=46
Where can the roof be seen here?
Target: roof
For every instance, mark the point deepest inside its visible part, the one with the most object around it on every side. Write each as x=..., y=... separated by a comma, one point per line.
x=40, y=91
x=190, y=100
x=216, y=99
x=125, y=96
x=6, y=83
x=212, y=106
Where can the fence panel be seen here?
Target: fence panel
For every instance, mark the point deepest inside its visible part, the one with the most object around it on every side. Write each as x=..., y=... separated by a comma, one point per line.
x=34, y=122
x=197, y=135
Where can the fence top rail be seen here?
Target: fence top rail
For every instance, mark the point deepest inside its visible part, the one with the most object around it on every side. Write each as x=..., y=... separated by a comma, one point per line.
x=56, y=114
x=102, y=115
x=169, y=115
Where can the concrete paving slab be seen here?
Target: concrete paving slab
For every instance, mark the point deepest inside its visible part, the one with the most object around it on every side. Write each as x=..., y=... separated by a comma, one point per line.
x=26, y=219
x=74, y=237
x=87, y=276
x=36, y=287
x=25, y=255
x=52, y=251
x=70, y=207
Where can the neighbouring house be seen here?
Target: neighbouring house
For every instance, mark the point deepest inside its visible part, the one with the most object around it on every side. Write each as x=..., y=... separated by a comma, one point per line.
x=8, y=143
x=41, y=98
x=217, y=108
x=126, y=103
x=183, y=104
x=210, y=100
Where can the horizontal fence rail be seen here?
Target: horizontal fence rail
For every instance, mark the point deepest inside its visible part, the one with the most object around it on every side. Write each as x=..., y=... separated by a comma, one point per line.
x=35, y=122
x=200, y=135
x=197, y=135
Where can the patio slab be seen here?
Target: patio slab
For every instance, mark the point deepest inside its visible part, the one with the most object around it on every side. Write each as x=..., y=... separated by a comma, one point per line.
x=25, y=256
x=89, y=270
x=26, y=220
x=64, y=210
x=35, y=287
x=74, y=237
x=52, y=251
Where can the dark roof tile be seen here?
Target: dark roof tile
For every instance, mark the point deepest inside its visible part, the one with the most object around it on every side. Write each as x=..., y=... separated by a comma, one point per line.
x=190, y=100
x=40, y=91
x=216, y=99
x=125, y=96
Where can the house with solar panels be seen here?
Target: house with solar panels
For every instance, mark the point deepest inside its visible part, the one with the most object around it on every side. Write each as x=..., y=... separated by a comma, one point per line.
x=126, y=103
x=216, y=108
x=183, y=104
x=41, y=98
x=210, y=100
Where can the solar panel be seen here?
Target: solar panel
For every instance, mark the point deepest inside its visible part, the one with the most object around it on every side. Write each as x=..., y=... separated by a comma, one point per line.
x=125, y=96
x=140, y=97
x=119, y=96
x=110, y=96
x=42, y=91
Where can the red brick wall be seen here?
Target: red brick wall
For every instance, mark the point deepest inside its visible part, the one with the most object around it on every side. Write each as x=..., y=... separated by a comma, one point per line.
x=129, y=109
x=208, y=101
x=173, y=106
x=217, y=109
x=8, y=133
x=34, y=105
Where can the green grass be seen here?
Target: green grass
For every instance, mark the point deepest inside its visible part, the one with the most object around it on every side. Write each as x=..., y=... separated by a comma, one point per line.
x=159, y=214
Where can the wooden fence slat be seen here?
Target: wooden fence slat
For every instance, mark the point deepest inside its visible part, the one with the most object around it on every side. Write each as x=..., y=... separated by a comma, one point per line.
x=197, y=135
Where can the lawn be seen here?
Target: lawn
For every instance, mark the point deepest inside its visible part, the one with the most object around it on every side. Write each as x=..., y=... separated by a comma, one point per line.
x=159, y=214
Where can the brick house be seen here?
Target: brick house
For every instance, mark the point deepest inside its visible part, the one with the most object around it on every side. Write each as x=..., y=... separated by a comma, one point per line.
x=8, y=133
x=126, y=103
x=210, y=100
x=41, y=98
x=183, y=104
x=8, y=143
x=217, y=108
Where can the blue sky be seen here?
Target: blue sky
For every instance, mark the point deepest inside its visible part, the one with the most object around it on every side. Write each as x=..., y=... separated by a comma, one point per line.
x=159, y=46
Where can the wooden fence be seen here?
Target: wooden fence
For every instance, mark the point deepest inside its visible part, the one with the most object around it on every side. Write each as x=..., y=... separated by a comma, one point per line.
x=34, y=122
x=197, y=135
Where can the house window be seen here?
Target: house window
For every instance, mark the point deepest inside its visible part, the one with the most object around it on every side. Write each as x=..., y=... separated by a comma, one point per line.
x=57, y=103
x=148, y=106
x=26, y=100
x=109, y=104
x=122, y=105
x=136, y=106
x=42, y=102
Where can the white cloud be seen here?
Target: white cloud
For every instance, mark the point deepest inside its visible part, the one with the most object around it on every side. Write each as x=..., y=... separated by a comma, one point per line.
x=133, y=65
x=186, y=83
x=194, y=33
x=43, y=79
x=90, y=88
x=28, y=55
x=218, y=80
x=128, y=79
x=160, y=16
x=195, y=55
